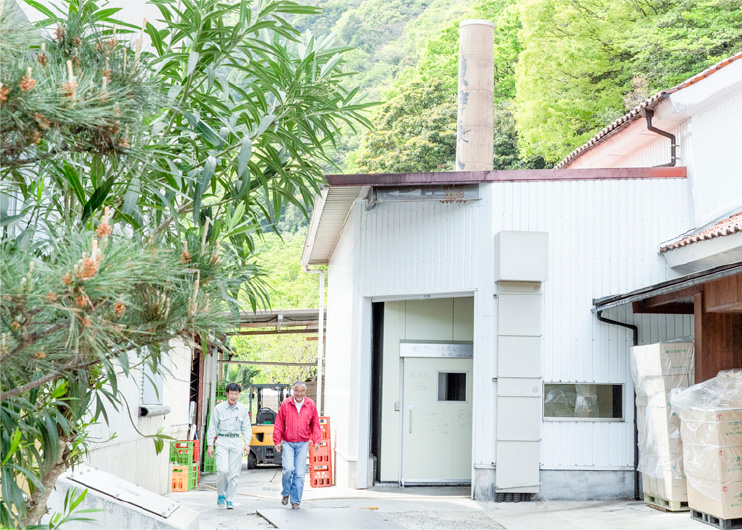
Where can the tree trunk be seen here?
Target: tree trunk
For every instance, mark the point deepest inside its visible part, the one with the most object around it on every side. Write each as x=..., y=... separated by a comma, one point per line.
x=37, y=502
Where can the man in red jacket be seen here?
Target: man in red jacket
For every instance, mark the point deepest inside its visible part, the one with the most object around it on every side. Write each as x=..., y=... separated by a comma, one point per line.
x=297, y=423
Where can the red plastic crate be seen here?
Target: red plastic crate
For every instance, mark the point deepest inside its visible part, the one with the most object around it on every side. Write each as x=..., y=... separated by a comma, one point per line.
x=321, y=456
x=324, y=425
x=320, y=476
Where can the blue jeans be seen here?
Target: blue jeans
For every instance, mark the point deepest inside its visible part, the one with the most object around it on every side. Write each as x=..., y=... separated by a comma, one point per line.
x=294, y=463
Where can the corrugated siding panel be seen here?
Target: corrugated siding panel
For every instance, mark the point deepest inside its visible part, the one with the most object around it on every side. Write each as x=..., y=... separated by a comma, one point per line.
x=717, y=159
x=340, y=305
x=603, y=240
x=414, y=248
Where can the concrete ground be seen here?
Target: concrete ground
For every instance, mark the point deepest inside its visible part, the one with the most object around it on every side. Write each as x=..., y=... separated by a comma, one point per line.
x=258, y=505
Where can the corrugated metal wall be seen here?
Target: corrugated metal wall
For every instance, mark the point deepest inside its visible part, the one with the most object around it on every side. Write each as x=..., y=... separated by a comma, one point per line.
x=604, y=238
x=341, y=298
x=421, y=248
x=709, y=148
x=717, y=159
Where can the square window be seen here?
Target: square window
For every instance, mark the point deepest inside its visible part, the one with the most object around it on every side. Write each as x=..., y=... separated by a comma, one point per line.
x=583, y=401
x=451, y=386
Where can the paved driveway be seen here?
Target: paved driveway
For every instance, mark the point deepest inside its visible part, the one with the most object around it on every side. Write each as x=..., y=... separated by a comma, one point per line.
x=258, y=505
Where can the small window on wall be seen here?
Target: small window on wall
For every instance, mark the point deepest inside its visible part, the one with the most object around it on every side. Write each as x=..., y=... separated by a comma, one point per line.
x=583, y=401
x=451, y=386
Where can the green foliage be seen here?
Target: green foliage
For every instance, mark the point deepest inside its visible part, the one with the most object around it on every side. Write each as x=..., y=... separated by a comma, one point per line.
x=73, y=313
x=581, y=60
x=416, y=129
x=193, y=148
x=291, y=288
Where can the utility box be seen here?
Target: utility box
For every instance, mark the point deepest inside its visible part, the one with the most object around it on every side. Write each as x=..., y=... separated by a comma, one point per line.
x=519, y=386
x=521, y=256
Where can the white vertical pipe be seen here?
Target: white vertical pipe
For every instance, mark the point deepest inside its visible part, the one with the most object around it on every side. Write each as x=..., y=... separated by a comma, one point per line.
x=320, y=333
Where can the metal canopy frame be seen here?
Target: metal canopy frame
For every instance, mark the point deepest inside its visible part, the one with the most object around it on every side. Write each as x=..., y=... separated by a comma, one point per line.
x=667, y=296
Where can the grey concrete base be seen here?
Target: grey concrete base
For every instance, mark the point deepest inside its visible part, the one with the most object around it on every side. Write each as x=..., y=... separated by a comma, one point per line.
x=585, y=485
x=114, y=513
x=310, y=518
x=484, y=484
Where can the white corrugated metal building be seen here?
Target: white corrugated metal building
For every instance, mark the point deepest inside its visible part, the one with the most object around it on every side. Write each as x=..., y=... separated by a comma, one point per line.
x=462, y=341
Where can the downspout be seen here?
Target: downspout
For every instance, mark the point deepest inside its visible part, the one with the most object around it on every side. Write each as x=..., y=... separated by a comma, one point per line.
x=320, y=332
x=635, y=333
x=648, y=114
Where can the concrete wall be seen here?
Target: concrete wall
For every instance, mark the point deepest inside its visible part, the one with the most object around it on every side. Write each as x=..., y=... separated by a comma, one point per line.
x=129, y=456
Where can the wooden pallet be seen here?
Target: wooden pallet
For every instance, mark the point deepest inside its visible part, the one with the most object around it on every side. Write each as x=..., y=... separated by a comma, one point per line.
x=716, y=522
x=664, y=504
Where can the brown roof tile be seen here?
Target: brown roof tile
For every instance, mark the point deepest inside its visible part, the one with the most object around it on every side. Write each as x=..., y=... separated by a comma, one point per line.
x=723, y=228
x=636, y=112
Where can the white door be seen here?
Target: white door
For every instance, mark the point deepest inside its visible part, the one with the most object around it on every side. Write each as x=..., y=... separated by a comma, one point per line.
x=437, y=406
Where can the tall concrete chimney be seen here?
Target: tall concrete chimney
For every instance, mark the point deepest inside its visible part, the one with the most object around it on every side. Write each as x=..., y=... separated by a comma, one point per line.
x=475, y=117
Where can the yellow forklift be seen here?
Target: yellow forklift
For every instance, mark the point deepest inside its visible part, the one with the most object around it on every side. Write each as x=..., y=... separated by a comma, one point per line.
x=267, y=399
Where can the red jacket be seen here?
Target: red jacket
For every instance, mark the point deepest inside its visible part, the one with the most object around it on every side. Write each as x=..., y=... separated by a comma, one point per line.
x=293, y=426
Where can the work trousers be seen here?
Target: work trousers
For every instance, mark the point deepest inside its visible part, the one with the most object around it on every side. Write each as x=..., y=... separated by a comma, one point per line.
x=294, y=463
x=228, y=460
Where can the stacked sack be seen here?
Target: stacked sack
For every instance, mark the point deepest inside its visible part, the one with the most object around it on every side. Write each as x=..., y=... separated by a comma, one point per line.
x=657, y=369
x=711, y=428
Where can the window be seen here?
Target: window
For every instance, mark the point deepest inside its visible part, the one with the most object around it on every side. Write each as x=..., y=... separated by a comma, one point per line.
x=451, y=386
x=583, y=401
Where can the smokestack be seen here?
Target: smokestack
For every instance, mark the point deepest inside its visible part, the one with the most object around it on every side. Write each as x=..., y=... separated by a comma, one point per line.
x=475, y=117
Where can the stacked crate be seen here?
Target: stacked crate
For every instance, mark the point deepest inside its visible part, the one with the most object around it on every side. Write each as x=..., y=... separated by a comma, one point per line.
x=184, y=457
x=657, y=369
x=320, y=459
x=711, y=416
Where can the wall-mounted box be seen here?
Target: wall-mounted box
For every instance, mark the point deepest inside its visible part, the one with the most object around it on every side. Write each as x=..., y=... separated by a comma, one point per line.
x=521, y=256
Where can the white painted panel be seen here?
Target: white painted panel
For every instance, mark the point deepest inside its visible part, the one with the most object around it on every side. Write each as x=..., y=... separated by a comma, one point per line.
x=519, y=356
x=341, y=304
x=520, y=314
x=513, y=424
x=463, y=319
x=510, y=474
x=521, y=256
x=717, y=160
x=429, y=319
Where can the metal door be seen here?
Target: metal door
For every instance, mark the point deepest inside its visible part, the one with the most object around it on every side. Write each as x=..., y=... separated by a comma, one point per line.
x=436, y=420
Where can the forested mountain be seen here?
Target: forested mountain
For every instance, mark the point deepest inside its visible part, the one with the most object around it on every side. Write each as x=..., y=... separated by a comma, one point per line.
x=563, y=70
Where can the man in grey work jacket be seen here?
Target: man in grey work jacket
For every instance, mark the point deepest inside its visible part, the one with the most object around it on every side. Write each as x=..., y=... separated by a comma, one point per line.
x=228, y=421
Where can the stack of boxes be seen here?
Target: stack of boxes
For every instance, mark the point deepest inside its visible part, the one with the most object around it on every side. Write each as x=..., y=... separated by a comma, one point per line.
x=711, y=426
x=320, y=459
x=184, y=456
x=657, y=369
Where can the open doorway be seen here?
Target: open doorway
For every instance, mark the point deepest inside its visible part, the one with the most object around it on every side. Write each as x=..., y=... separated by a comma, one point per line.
x=422, y=391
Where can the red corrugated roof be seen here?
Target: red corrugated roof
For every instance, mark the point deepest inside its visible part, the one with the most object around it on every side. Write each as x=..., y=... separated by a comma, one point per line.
x=723, y=228
x=636, y=112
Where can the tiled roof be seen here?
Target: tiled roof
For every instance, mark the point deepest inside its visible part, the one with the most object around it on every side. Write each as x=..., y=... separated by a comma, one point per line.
x=723, y=228
x=636, y=112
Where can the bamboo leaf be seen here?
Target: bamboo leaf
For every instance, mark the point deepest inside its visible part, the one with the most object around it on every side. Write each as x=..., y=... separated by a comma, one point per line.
x=192, y=62
x=73, y=178
x=244, y=156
